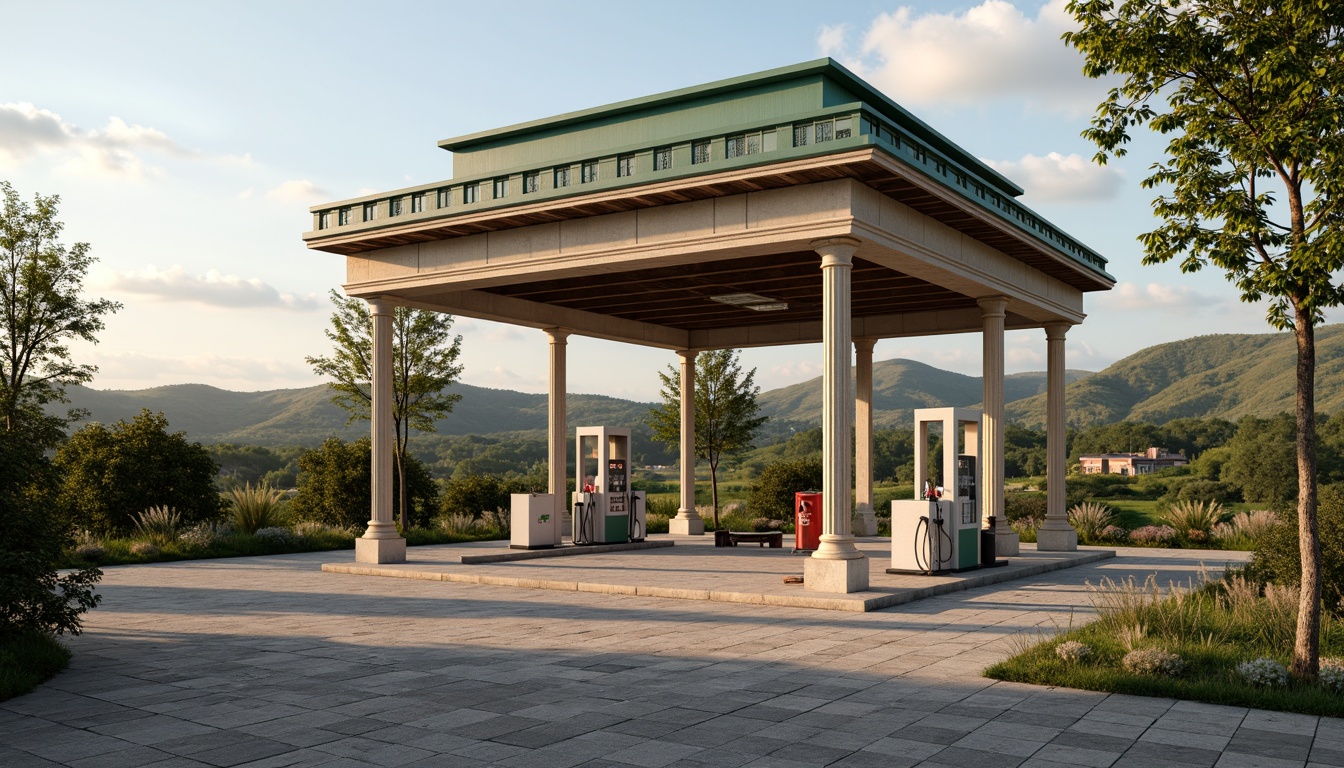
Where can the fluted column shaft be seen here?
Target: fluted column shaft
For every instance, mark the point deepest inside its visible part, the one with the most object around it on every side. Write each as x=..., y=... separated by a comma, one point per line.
x=837, y=543
x=381, y=543
x=865, y=521
x=558, y=427
x=993, y=311
x=687, y=521
x=1055, y=533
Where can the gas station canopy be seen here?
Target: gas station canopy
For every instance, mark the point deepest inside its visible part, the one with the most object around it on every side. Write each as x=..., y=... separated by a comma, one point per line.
x=686, y=220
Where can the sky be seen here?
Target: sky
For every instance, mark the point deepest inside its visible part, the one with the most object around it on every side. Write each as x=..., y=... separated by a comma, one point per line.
x=187, y=141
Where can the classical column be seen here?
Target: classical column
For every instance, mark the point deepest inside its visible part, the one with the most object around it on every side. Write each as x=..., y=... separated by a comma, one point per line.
x=1055, y=534
x=381, y=543
x=993, y=310
x=557, y=432
x=837, y=565
x=687, y=521
x=865, y=521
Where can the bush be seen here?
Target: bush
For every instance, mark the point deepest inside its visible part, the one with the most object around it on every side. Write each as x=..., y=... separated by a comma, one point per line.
x=1245, y=528
x=1072, y=651
x=112, y=474
x=475, y=494
x=34, y=596
x=334, y=482
x=772, y=495
x=1206, y=491
x=255, y=508
x=1277, y=556
x=1263, y=671
x=158, y=525
x=1153, y=535
x=1017, y=506
x=1090, y=519
x=1152, y=661
x=1193, y=521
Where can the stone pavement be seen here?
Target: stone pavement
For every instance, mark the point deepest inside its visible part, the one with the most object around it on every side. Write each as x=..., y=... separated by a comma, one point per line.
x=271, y=662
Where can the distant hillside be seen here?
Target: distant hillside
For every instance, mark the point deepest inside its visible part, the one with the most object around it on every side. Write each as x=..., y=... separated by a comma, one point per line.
x=1225, y=375
x=307, y=417
x=899, y=386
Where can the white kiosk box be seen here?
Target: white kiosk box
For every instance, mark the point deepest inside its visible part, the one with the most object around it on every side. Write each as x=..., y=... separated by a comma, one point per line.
x=606, y=511
x=940, y=529
x=532, y=523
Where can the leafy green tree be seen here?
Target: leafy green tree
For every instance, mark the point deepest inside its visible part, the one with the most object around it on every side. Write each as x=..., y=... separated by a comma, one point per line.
x=1120, y=437
x=772, y=494
x=1023, y=451
x=335, y=479
x=473, y=494
x=1194, y=436
x=111, y=474
x=424, y=364
x=41, y=312
x=35, y=597
x=893, y=454
x=1261, y=459
x=1251, y=96
x=725, y=412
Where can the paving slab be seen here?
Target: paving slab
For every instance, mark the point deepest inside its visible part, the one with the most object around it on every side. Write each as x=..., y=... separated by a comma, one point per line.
x=692, y=568
x=271, y=661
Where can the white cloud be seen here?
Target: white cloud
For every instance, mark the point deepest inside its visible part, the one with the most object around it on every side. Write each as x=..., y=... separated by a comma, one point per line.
x=297, y=191
x=212, y=288
x=991, y=52
x=119, y=150
x=1131, y=296
x=1061, y=178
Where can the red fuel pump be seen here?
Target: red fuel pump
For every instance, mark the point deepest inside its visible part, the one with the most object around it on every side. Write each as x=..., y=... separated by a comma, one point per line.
x=806, y=521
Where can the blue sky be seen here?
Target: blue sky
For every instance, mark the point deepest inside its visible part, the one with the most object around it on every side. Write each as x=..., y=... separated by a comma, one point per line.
x=187, y=141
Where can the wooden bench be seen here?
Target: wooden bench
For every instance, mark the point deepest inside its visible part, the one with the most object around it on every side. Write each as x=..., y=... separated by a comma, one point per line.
x=775, y=539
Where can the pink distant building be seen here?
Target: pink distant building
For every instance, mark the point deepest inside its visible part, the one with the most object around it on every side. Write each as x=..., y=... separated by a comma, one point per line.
x=1129, y=463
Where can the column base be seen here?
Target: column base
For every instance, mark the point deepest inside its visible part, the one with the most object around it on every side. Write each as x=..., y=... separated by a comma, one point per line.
x=1006, y=543
x=1063, y=539
x=864, y=521
x=686, y=526
x=380, y=551
x=843, y=576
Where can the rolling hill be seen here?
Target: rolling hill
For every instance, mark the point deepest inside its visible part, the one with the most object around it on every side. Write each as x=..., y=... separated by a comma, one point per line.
x=1224, y=375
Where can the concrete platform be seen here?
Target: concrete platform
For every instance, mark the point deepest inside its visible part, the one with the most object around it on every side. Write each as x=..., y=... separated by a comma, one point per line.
x=694, y=569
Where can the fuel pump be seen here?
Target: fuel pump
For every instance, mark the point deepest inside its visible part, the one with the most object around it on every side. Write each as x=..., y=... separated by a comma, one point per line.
x=605, y=509
x=939, y=530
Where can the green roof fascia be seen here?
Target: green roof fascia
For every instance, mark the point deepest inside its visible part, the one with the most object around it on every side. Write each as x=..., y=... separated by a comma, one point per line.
x=826, y=68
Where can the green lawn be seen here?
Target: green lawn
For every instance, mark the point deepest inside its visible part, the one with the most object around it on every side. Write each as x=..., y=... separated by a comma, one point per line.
x=27, y=660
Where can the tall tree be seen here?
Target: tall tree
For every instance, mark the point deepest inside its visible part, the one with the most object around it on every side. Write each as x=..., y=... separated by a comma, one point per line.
x=424, y=364
x=41, y=311
x=1251, y=94
x=725, y=412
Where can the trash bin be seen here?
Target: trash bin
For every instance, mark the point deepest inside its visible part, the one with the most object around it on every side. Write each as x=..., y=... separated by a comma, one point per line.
x=988, y=557
x=806, y=521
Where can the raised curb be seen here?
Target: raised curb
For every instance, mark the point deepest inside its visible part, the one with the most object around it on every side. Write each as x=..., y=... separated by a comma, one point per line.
x=876, y=602
x=566, y=550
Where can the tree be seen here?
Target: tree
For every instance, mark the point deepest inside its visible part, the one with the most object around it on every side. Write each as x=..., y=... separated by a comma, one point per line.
x=772, y=495
x=41, y=311
x=35, y=597
x=334, y=484
x=725, y=412
x=109, y=475
x=424, y=364
x=1251, y=94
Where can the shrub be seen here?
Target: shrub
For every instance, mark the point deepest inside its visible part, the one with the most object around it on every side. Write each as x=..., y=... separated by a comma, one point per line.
x=1090, y=519
x=1153, y=535
x=474, y=494
x=90, y=553
x=144, y=549
x=1263, y=671
x=1193, y=521
x=255, y=508
x=274, y=534
x=200, y=535
x=334, y=484
x=158, y=525
x=1113, y=533
x=111, y=474
x=1019, y=506
x=35, y=597
x=1332, y=674
x=1207, y=491
x=772, y=495
x=1153, y=661
x=1276, y=556
x=1025, y=528
x=1245, y=528
x=1072, y=651
x=662, y=507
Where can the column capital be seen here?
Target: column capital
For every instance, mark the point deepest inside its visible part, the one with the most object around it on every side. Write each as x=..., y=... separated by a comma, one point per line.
x=558, y=335
x=687, y=354
x=836, y=251
x=380, y=305
x=864, y=345
x=1056, y=331
x=993, y=306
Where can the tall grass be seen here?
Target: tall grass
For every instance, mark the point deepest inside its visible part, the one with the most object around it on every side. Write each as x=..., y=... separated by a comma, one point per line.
x=1089, y=519
x=158, y=525
x=1245, y=528
x=255, y=508
x=1193, y=520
